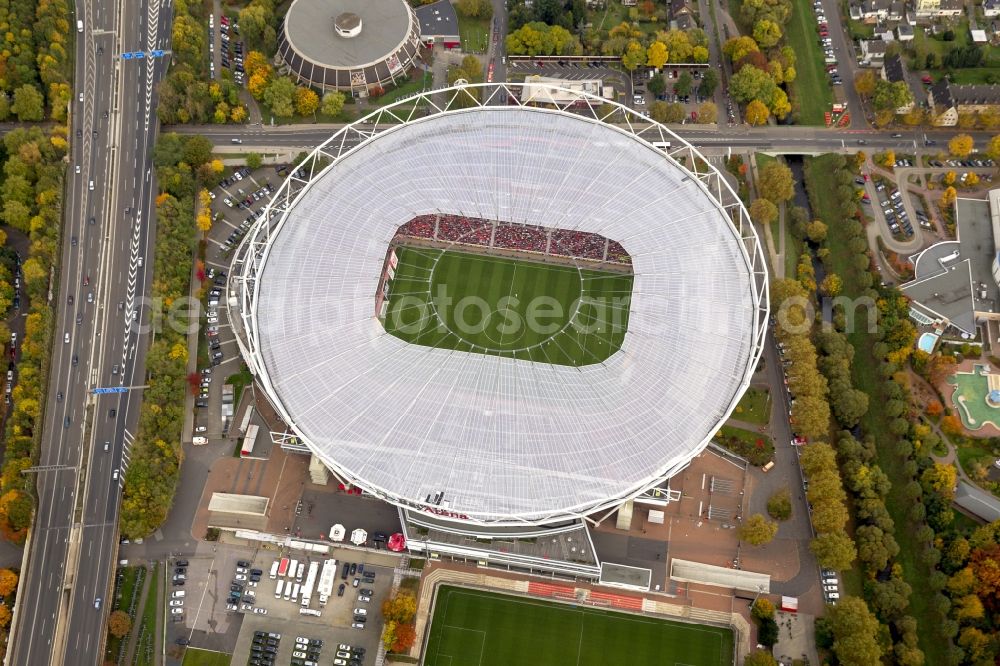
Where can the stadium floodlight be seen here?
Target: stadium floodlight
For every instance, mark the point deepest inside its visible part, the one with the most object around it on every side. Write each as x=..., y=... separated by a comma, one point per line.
x=488, y=438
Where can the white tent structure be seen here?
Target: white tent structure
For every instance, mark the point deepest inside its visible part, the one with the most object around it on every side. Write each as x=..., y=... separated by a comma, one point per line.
x=337, y=532
x=359, y=536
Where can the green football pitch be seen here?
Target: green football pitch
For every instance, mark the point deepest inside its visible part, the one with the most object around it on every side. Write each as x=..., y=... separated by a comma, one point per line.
x=507, y=307
x=473, y=628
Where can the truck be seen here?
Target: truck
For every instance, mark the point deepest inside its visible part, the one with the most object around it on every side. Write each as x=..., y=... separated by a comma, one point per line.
x=307, y=587
x=279, y=589
x=274, y=570
x=283, y=566
x=327, y=578
x=293, y=566
x=300, y=572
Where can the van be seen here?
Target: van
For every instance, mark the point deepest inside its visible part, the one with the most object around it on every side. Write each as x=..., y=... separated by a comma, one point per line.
x=310, y=611
x=767, y=467
x=79, y=26
x=199, y=441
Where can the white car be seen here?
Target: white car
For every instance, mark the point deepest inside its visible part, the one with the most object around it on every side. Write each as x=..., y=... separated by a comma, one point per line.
x=213, y=320
x=344, y=653
x=260, y=611
x=247, y=607
x=358, y=625
x=339, y=662
x=832, y=595
x=361, y=611
x=240, y=577
x=299, y=655
x=363, y=599
x=176, y=611
x=232, y=607
x=176, y=602
x=302, y=639
x=344, y=646
x=201, y=429
x=241, y=570
x=831, y=588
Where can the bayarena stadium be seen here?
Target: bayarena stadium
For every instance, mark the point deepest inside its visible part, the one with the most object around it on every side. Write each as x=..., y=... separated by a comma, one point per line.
x=506, y=317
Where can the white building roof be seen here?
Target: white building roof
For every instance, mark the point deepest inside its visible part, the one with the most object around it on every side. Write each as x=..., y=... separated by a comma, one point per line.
x=505, y=439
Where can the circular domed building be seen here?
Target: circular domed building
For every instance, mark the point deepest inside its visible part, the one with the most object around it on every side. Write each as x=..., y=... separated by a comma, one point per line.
x=349, y=45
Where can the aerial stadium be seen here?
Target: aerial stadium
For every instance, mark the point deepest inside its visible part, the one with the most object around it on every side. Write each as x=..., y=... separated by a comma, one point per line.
x=614, y=292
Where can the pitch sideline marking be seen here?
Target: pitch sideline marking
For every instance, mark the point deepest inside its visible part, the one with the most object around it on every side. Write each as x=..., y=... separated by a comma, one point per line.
x=482, y=640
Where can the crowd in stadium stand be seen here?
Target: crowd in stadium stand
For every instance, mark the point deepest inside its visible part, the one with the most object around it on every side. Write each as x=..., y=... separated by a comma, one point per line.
x=515, y=236
x=521, y=237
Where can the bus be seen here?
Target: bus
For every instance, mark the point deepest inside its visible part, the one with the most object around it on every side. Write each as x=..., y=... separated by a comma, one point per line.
x=293, y=566
x=295, y=592
x=300, y=571
x=662, y=145
x=283, y=566
x=277, y=592
x=274, y=570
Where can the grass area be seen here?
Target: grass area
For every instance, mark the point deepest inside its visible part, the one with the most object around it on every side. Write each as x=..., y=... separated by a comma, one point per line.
x=755, y=406
x=506, y=307
x=976, y=75
x=474, y=33
x=419, y=80
x=121, y=602
x=969, y=452
x=240, y=381
x=754, y=446
x=145, y=648
x=199, y=657
x=812, y=92
x=471, y=627
x=867, y=378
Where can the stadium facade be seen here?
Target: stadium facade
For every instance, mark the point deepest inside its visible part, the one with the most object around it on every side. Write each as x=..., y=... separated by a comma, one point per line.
x=470, y=444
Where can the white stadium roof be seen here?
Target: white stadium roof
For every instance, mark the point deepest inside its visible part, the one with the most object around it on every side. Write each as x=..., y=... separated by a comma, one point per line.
x=505, y=440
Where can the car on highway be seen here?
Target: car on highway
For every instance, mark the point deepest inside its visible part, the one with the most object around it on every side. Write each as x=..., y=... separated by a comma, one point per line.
x=97, y=602
x=66, y=340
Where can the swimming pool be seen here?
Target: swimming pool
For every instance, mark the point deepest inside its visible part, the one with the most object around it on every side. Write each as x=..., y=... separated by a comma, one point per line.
x=927, y=342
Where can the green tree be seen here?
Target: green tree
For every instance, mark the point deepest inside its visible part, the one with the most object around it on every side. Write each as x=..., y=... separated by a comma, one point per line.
x=758, y=530
x=708, y=113
x=663, y=112
x=682, y=86
x=767, y=33
x=779, y=505
x=29, y=104
x=751, y=83
x=254, y=160
x=709, y=82
x=762, y=609
x=855, y=632
x=474, y=8
x=760, y=658
x=891, y=96
x=993, y=148
x=333, y=103
x=634, y=56
x=816, y=231
x=776, y=183
x=833, y=550
x=279, y=95
x=657, y=85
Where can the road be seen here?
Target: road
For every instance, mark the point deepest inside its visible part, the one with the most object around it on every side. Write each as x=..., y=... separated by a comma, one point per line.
x=787, y=139
x=95, y=344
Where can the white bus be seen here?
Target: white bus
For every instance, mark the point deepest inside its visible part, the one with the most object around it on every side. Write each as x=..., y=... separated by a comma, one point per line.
x=295, y=593
x=274, y=570
x=277, y=592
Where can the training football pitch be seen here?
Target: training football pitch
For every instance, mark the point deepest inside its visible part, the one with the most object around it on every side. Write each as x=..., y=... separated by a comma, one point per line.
x=473, y=628
x=507, y=307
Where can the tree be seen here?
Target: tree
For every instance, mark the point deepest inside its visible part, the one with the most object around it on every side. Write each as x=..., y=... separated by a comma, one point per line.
x=891, y=96
x=767, y=33
x=993, y=148
x=474, y=8
x=306, y=101
x=682, y=86
x=256, y=62
x=751, y=83
x=961, y=145
x=831, y=285
x=758, y=530
x=119, y=624
x=537, y=38
x=405, y=637
x=948, y=196
x=634, y=55
x=657, y=85
x=710, y=81
x=756, y=113
x=948, y=178
x=940, y=478
x=855, y=632
x=864, y=82
x=662, y=112
x=333, y=103
x=816, y=231
x=400, y=608
x=29, y=103
x=763, y=211
x=760, y=658
x=780, y=106
x=656, y=55
x=762, y=609
x=888, y=159
x=972, y=179
x=738, y=47
x=254, y=160
x=833, y=550
x=776, y=183
x=8, y=582
x=708, y=113
x=279, y=95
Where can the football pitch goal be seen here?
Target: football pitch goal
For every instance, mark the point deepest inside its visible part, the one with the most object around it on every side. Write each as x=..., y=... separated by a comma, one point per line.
x=474, y=628
x=550, y=313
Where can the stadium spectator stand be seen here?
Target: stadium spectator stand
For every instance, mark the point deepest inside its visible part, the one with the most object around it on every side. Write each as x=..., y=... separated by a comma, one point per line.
x=617, y=600
x=516, y=236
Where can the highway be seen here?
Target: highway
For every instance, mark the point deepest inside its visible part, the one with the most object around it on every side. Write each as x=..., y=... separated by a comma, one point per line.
x=779, y=138
x=95, y=342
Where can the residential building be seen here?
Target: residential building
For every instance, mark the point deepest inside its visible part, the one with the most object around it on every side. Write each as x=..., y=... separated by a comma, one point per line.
x=944, y=113
x=894, y=71
x=991, y=8
x=975, y=99
x=925, y=8
x=873, y=51
x=438, y=24
x=950, y=8
x=874, y=11
x=904, y=32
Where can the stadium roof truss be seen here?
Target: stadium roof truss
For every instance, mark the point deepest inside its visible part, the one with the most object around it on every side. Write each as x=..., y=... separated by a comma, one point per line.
x=250, y=256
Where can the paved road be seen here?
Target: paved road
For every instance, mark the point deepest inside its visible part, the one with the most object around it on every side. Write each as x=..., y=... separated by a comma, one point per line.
x=74, y=540
x=786, y=139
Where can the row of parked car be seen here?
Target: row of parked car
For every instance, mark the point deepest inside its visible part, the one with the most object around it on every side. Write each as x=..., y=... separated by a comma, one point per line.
x=961, y=163
x=243, y=590
x=348, y=655
x=307, y=651
x=264, y=648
